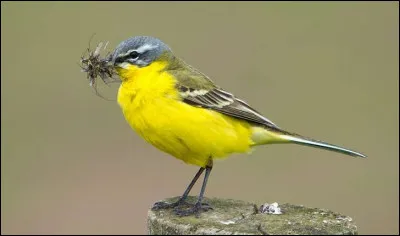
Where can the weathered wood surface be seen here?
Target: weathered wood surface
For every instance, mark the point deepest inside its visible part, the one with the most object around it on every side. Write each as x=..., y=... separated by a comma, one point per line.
x=238, y=217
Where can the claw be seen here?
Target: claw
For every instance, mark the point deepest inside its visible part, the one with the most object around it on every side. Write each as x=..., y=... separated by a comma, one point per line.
x=166, y=205
x=206, y=205
x=195, y=210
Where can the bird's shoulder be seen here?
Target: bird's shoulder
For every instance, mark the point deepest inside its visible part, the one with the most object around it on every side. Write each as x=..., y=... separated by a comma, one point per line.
x=188, y=77
x=197, y=89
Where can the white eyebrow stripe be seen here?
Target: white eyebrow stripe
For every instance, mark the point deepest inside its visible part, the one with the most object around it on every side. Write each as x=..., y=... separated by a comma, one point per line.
x=145, y=48
x=140, y=50
x=127, y=53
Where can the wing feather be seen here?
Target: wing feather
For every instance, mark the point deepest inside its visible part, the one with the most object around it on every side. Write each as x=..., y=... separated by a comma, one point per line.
x=198, y=90
x=225, y=103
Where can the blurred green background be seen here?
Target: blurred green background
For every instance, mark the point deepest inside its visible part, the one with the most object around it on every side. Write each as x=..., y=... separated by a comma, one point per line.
x=71, y=164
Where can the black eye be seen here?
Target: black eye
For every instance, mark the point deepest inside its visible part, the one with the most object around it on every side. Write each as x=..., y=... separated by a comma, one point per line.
x=133, y=55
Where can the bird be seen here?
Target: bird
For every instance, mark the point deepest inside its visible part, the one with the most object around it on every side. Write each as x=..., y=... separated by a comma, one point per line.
x=182, y=112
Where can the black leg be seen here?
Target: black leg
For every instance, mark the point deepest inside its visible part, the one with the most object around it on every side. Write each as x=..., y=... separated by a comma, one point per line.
x=199, y=206
x=181, y=201
x=203, y=187
x=194, y=180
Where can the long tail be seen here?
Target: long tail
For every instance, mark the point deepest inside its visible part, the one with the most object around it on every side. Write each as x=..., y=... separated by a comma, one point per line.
x=319, y=144
x=266, y=136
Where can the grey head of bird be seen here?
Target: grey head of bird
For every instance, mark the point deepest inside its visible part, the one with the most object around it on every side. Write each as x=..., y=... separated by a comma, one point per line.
x=140, y=51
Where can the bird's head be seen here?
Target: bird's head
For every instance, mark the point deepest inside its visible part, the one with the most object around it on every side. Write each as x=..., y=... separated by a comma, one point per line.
x=138, y=52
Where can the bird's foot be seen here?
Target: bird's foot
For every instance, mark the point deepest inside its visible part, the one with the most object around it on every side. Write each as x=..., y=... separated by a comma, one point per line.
x=196, y=209
x=166, y=205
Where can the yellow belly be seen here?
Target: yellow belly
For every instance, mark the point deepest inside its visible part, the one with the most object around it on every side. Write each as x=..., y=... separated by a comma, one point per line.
x=186, y=132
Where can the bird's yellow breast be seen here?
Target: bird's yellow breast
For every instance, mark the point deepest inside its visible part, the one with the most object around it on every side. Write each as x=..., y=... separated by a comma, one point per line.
x=153, y=108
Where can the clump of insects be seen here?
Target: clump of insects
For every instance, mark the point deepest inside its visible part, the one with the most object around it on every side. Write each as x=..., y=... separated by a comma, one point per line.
x=98, y=67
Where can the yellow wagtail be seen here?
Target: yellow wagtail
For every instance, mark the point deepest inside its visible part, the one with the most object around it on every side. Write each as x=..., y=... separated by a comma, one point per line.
x=182, y=112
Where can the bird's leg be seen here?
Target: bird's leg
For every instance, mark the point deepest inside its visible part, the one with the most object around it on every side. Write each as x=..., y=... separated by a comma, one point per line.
x=199, y=206
x=181, y=201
